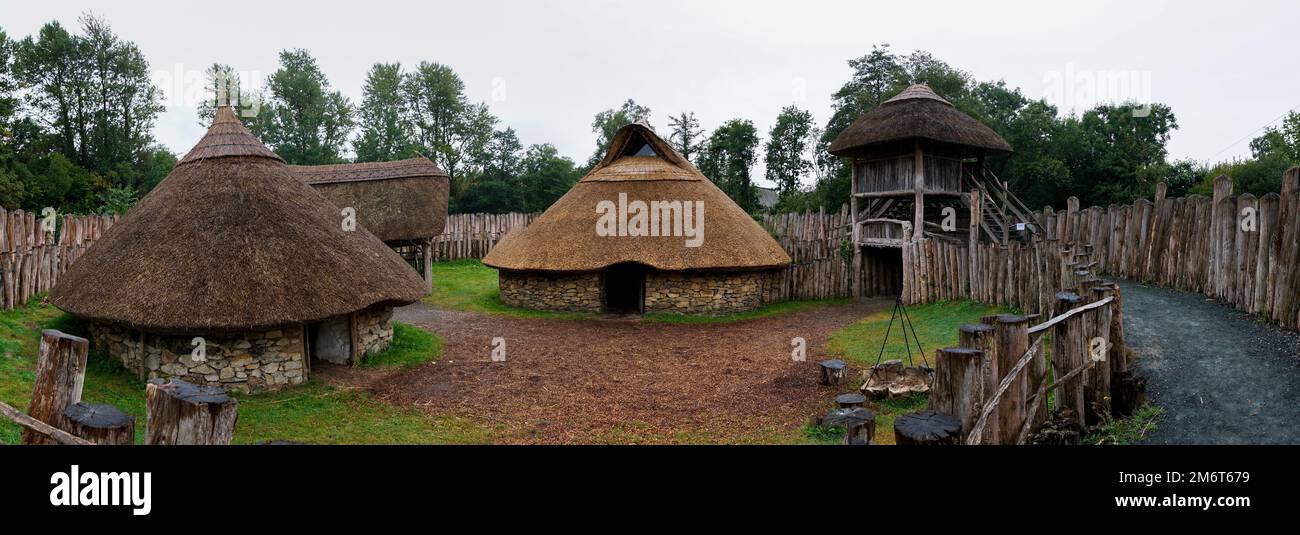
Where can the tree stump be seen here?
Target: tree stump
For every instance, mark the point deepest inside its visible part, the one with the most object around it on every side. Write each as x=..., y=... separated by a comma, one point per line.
x=850, y=401
x=60, y=375
x=100, y=423
x=927, y=428
x=184, y=413
x=859, y=425
x=833, y=372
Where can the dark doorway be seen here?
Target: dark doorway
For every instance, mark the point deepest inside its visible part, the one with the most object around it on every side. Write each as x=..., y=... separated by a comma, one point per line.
x=625, y=289
x=882, y=271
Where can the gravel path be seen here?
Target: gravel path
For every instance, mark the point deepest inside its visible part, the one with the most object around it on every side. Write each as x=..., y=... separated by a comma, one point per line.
x=1220, y=377
x=621, y=380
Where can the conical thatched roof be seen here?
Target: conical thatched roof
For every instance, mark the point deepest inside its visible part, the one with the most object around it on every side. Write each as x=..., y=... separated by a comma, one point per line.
x=231, y=241
x=917, y=113
x=645, y=168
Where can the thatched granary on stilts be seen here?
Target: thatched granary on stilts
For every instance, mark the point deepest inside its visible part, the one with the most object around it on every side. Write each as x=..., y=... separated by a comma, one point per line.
x=918, y=173
x=235, y=272
x=403, y=202
x=644, y=231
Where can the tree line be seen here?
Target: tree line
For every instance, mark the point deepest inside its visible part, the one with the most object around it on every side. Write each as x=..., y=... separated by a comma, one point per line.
x=77, y=110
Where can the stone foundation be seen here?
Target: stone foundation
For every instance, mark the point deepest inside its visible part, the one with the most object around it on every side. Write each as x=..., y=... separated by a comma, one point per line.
x=246, y=362
x=374, y=330
x=704, y=292
x=681, y=292
x=577, y=292
x=243, y=362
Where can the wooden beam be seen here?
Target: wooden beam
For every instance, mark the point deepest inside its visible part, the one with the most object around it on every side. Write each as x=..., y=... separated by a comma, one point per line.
x=37, y=426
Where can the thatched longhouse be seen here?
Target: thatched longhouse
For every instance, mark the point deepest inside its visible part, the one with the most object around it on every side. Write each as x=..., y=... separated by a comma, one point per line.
x=644, y=231
x=403, y=203
x=232, y=271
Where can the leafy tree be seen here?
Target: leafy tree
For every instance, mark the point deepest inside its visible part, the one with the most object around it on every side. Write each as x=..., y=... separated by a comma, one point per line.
x=607, y=123
x=302, y=119
x=448, y=128
x=53, y=67
x=686, y=136
x=545, y=176
x=495, y=187
x=1284, y=141
x=728, y=157
x=225, y=87
x=786, y=150
x=385, y=131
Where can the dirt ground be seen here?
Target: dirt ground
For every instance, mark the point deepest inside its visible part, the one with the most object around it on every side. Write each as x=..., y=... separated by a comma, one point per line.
x=620, y=380
x=1220, y=376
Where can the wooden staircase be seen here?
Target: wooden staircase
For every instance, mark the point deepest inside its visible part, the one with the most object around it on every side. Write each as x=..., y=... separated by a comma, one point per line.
x=1003, y=213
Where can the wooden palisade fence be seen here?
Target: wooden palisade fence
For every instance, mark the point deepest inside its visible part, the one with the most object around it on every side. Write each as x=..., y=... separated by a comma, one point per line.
x=32, y=255
x=471, y=236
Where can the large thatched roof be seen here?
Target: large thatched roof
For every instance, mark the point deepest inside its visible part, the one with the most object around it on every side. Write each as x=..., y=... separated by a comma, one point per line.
x=400, y=200
x=232, y=241
x=917, y=113
x=645, y=168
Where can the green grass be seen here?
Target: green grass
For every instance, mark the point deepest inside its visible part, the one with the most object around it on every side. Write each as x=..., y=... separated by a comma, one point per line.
x=471, y=286
x=314, y=413
x=1128, y=430
x=761, y=312
x=936, y=327
x=411, y=347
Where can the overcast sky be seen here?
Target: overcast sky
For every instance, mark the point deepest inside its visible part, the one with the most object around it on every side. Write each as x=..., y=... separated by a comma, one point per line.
x=545, y=67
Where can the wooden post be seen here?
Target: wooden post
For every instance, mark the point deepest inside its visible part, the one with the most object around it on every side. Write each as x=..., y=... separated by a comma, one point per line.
x=918, y=185
x=1011, y=335
x=1222, y=191
x=927, y=428
x=60, y=374
x=1100, y=375
x=427, y=250
x=958, y=380
x=1068, y=354
x=100, y=423
x=856, y=278
x=980, y=336
x=181, y=413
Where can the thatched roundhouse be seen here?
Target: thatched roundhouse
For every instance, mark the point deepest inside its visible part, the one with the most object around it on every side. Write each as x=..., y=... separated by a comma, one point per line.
x=403, y=203
x=232, y=271
x=644, y=231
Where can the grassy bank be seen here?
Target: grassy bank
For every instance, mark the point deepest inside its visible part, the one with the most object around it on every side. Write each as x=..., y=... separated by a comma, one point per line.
x=314, y=413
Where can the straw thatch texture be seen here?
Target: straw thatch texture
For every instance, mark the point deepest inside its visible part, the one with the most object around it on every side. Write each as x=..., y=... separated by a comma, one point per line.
x=917, y=113
x=232, y=243
x=401, y=200
x=564, y=237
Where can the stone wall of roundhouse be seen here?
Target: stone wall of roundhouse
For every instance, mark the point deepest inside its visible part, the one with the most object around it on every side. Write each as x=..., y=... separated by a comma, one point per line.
x=243, y=362
x=580, y=292
x=708, y=292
